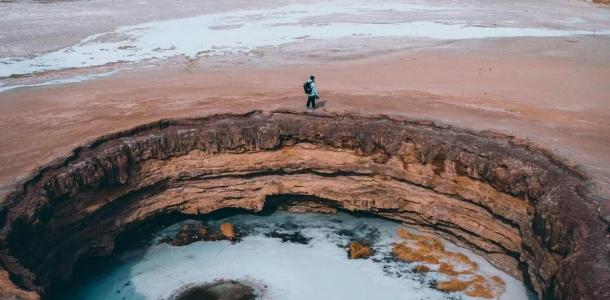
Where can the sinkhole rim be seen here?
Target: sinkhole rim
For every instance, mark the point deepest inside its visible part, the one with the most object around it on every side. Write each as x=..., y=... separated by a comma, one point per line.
x=589, y=227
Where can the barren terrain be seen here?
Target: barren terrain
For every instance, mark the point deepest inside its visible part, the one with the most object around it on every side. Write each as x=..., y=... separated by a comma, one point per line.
x=535, y=70
x=553, y=91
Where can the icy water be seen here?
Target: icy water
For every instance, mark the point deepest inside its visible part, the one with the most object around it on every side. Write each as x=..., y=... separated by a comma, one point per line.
x=282, y=256
x=243, y=31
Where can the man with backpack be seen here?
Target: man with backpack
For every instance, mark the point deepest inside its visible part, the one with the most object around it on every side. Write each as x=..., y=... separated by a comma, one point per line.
x=311, y=91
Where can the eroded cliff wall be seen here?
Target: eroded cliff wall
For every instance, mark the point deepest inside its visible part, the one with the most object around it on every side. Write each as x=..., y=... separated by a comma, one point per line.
x=520, y=207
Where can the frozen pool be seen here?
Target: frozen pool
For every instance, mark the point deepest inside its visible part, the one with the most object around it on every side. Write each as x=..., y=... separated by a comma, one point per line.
x=313, y=266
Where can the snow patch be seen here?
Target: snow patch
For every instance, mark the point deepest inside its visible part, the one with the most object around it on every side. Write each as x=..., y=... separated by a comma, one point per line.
x=73, y=79
x=319, y=269
x=246, y=30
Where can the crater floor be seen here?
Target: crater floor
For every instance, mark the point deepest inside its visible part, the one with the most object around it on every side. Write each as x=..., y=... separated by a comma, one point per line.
x=318, y=268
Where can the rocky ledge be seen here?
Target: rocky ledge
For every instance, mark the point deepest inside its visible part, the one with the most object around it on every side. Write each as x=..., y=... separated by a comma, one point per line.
x=519, y=206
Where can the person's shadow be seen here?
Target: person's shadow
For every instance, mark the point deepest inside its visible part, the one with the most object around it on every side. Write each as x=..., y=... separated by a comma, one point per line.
x=320, y=104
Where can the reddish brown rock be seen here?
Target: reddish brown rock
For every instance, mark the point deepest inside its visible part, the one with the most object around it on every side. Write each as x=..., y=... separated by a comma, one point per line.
x=422, y=269
x=228, y=231
x=359, y=250
x=9, y=291
x=189, y=233
x=305, y=206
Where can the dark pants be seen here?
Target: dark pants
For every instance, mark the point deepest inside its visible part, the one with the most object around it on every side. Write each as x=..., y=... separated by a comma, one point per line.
x=312, y=100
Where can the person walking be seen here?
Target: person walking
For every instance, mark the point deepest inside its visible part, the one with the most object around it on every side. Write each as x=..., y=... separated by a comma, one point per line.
x=311, y=91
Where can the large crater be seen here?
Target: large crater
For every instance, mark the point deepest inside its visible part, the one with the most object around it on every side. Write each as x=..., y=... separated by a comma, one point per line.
x=518, y=206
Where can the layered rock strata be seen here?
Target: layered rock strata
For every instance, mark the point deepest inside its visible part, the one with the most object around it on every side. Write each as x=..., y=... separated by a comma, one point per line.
x=516, y=205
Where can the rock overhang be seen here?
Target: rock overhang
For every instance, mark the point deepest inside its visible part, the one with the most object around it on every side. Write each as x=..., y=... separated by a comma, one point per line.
x=519, y=206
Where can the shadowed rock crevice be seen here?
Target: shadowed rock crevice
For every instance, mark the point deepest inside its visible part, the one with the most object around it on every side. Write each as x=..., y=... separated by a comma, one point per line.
x=516, y=205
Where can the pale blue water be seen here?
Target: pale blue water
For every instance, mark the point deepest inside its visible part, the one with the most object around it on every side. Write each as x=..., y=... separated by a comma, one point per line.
x=318, y=269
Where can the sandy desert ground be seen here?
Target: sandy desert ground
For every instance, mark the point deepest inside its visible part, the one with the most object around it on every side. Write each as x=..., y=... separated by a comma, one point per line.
x=71, y=71
x=539, y=71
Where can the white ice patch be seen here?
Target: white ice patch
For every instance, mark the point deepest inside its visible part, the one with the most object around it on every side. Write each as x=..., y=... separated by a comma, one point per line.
x=243, y=31
x=73, y=79
x=290, y=271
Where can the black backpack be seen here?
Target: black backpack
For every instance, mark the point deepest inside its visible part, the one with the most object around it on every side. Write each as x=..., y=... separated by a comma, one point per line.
x=307, y=87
